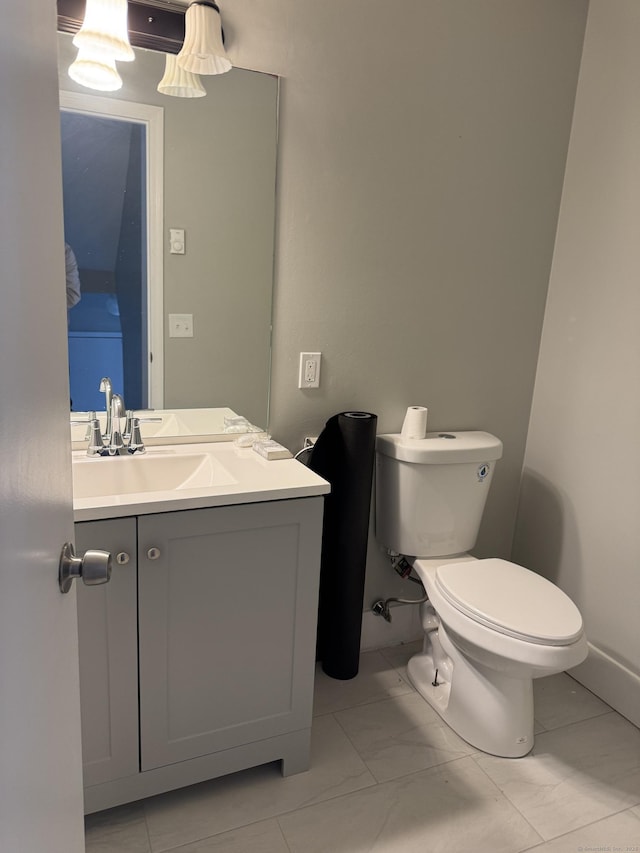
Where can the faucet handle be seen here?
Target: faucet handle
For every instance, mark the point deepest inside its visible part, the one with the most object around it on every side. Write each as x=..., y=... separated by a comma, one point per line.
x=131, y=416
x=88, y=421
x=96, y=445
x=136, y=445
x=128, y=424
x=89, y=432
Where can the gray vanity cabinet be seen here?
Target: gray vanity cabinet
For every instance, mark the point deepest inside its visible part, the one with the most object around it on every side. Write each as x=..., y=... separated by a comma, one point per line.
x=108, y=636
x=211, y=655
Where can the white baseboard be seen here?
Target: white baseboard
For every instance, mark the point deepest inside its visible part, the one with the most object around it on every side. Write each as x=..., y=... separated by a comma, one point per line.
x=404, y=627
x=612, y=682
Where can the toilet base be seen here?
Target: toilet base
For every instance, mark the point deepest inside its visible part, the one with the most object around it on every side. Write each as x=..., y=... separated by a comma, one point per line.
x=490, y=710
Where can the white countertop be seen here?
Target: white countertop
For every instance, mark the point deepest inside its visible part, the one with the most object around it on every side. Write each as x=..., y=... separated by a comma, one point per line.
x=250, y=479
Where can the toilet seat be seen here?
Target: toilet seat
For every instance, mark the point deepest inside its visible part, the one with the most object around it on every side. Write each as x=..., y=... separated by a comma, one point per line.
x=511, y=600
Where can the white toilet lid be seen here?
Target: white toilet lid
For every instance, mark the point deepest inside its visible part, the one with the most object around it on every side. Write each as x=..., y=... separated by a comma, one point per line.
x=512, y=600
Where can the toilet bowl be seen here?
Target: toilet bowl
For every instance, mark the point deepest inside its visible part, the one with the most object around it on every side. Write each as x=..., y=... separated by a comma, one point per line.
x=490, y=626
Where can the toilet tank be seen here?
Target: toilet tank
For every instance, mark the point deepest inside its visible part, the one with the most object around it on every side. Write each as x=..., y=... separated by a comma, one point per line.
x=431, y=492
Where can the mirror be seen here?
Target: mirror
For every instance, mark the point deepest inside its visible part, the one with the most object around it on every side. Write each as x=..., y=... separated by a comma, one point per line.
x=180, y=426
x=219, y=179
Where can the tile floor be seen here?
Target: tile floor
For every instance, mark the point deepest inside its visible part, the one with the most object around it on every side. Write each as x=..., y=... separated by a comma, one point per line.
x=388, y=776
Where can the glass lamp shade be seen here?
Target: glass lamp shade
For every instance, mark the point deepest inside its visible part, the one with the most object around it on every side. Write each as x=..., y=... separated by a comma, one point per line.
x=203, y=51
x=105, y=29
x=95, y=71
x=178, y=82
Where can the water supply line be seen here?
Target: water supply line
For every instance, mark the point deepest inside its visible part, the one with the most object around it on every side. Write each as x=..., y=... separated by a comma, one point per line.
x=402, y=566
x=381, y=607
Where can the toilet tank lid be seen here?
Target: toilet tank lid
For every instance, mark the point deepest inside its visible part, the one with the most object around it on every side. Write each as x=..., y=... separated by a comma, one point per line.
x=441, y=448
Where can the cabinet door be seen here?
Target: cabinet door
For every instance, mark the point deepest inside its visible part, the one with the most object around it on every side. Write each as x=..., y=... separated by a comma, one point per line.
x=107, y=634
x=227, y=621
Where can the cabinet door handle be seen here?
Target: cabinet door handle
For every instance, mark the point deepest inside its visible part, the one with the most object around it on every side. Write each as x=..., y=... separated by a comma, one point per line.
x=122, y=558
x=153, y=553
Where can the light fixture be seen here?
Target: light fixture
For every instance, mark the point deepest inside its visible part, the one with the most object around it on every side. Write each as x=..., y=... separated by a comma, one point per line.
x=104, y=30
x=203, y=50
x=95, y=71
x=178, y=82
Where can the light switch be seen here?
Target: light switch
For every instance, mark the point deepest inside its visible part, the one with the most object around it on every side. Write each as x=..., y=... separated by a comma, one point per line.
x=176, y=241
x=180, y=325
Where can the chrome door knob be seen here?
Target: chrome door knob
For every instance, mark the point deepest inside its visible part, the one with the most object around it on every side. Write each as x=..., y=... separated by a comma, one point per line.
x=94, y=567
x=122, y=558
x=153, y=553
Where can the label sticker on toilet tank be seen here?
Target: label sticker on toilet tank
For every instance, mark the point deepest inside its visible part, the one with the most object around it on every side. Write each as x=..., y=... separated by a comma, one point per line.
x=483, y=472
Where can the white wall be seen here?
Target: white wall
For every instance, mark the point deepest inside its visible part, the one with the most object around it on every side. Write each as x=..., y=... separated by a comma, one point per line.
x=580, y=506
x=421, y=157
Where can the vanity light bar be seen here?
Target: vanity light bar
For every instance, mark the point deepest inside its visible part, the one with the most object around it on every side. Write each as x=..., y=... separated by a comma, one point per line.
x=150, y=25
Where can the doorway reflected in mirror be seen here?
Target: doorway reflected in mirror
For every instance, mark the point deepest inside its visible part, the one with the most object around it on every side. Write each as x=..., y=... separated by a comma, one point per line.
x=104, y=187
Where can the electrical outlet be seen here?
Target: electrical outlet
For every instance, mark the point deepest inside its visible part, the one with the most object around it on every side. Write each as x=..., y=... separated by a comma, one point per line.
x=309, y=370
x=180, y=325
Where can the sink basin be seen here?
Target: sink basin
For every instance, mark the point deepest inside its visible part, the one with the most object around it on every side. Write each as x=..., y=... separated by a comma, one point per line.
x=164, y=472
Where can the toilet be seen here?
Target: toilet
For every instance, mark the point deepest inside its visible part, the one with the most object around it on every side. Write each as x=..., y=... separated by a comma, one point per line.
x=490, y=626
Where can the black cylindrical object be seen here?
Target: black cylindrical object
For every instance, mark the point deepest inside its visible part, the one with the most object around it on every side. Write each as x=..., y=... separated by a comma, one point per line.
x=344, y=455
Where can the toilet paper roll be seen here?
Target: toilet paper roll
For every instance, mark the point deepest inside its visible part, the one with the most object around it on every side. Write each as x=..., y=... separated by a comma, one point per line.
x=415, y=422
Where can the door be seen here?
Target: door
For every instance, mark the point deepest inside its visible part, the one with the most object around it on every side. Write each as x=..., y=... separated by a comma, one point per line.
x=112, y=155
x=227, y=612
x=40, y=766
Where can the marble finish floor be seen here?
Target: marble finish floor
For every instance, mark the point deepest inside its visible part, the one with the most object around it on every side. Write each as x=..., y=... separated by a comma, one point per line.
x=388, y=776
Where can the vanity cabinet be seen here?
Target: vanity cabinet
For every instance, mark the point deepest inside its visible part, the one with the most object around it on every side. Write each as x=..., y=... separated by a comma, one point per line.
x=203, y=643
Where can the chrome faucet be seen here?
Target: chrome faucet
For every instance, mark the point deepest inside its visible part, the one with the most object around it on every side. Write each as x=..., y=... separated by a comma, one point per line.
x=112, y=441
x=106, y=387
x=115, y=442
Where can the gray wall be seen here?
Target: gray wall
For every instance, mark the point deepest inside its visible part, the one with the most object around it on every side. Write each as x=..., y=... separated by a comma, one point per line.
x=422, y=148
x=421, y=159
x=580, y=503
